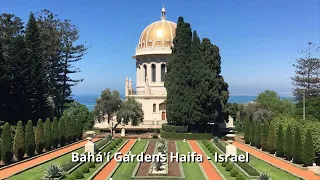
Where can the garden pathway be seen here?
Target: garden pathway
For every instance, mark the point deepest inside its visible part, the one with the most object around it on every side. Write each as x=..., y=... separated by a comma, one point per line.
x=11, y=170
x=307, y=174
x=207, y=167
x=109, y=168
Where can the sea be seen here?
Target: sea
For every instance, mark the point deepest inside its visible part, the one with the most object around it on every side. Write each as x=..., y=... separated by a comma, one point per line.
x=90, y=100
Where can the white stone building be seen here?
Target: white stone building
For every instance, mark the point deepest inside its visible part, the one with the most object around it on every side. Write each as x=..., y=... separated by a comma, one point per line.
x=151, y=55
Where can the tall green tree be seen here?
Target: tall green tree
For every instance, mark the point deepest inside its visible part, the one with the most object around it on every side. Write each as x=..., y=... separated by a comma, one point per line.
x=47, y=135
x=252, y=132
x=297, y=146
x=307, y=81
x=68, y=128
x=62, y=131
x=247, y=127
x=264, y=135
x=6, y=144
x=79, y=129
x=288, y=143
x=80, y=112
x=280, y=141
x=30, y=139
x=18, y=143
x=216, y=89
x=107, y=104
x=39, y=137
x=257, y=138
x=272, y=138
x=38, y=74
x=72, y=51
x=55, y=132
x=177, y=71
x=308, y=153
x=130, y=111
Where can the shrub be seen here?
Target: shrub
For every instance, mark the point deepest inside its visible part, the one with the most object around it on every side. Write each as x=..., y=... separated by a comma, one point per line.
x=91, y=165
x=224, y=164
x=264, y=135
x=308, y=154
x=257, y=138
x=55, y=132
x=252, y=132
x=30, y=139
x=264, y=176
x=78, y=174
x=297, y=146
x=280, y=142
x=6, y=144
x=53, y=171
x=18, y=143
x=191, y=136
x=248, y=168
x=247, y=131
x=62, y=131
x=288, y=143
x=85, y=169
x=234, y=172
x=79, y=129
x=69, y=165
x=155, y=136
x=229, y=167
x=102, y=143
x=172, y=128
x=39, y=137
x=47, y=135
x=240, y=177
x=271, y=138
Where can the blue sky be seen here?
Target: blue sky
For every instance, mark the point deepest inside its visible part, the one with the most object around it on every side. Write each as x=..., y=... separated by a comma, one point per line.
x=257, y=39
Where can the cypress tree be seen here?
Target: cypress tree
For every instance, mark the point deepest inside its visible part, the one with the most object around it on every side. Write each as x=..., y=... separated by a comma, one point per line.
x=18, y=143
x=79, y=129
x=308, y=153
x=257, y=138
x=6, y=145
x=175, y=78
x=297, y=146
x=280, y=142
x=264, y=136
x=39, y=137
x=252, y=132
x=62, y=131
x=55, y=132
x=68, y=128
x=247, y=127
x=30, y=139
x=38, y=74
x=47, y=135
x=288, y=143
x=271, y=138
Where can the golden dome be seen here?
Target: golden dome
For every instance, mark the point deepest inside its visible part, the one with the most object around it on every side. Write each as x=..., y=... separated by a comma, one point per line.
x=156, y=36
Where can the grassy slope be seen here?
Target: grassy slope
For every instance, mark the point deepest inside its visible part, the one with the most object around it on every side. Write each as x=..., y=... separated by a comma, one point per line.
x=125, y=170
x=92, y=170
x=219, y=165
x=192, y=171
x=264, y=167
x=38, y=171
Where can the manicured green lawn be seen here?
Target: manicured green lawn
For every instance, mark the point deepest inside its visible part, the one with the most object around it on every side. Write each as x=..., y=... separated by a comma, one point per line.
x=264, y=167
x=125, y=170
x=222, y=169
x=192, y=171
x=92, y=170
x=38, y=171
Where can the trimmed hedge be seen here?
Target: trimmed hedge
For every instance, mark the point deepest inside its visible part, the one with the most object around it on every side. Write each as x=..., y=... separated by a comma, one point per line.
x=234, y=172
x=229, y=167
x=240, y=177
x=191, y=136
x=220, y=146
x=102, y=143
x=172, y=128
x=249, y=169
x=69, y=165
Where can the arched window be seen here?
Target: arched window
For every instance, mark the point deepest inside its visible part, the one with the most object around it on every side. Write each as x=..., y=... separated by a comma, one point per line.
x=162, y=106
x=145, y=72
x=154, y=107
x=163, y=72
x=153, y=68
